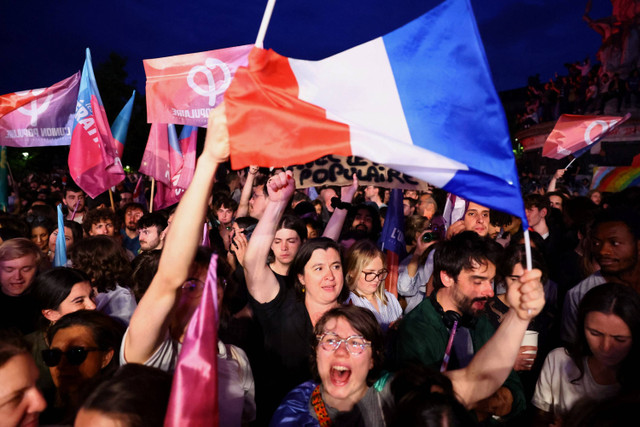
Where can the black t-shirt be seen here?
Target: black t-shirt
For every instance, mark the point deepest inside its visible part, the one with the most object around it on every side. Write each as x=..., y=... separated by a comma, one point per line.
x=288, y=332
x=19, y=313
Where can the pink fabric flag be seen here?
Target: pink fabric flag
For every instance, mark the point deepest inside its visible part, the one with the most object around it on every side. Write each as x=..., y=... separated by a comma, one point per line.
x=183, y=89
x=573, y=133
x=155, y=160
x=163, y=160
x=166, y=195
x=93, y=162
x=138, y=192
x=39, y=117
x=188, y=140
x=194, y=392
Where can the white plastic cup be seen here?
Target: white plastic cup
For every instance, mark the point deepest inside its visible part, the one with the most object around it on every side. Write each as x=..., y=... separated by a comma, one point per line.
x=530, y=339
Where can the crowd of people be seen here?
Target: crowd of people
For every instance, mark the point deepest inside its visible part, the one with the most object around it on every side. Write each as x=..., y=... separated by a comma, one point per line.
x=308, y=333
x=586, y=89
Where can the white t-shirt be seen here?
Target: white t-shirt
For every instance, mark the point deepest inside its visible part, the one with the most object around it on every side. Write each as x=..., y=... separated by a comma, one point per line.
x=236, y=388
x=556, y=393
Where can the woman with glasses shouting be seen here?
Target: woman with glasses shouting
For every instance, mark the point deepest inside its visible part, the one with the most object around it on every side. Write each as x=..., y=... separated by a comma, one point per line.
x=350, y=387
x=365, y=265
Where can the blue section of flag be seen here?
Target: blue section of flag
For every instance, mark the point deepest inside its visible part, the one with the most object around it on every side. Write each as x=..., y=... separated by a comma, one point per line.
x=60, y=258
x=451, y=105
x=187, y=131
x=173, y=139
x=392, y=236
x=121, y=123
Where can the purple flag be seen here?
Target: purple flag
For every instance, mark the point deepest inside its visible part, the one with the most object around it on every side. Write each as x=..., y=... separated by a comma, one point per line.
x=194, y=392
x=42, y=117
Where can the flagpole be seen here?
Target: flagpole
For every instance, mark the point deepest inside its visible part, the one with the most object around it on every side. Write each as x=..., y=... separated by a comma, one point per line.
x=265, y=23
x=570, y=163
x=153, y=184
x=527, y=249
x=113, y=207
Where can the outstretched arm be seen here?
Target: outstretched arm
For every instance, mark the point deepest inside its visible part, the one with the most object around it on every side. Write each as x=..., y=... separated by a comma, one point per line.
x=261, y=282
x=150, y=321
x=491, y=365
x=334, y=226
x=243, y=206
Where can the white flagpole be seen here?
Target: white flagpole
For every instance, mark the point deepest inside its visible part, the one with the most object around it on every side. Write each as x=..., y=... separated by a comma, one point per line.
x=567, y=167
x=527, y=249
x=265, y=23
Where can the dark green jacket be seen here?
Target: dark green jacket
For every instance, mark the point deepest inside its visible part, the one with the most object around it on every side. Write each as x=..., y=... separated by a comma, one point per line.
x=423, y=338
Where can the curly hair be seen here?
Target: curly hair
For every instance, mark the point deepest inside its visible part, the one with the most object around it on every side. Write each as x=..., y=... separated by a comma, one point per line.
x=104, y=261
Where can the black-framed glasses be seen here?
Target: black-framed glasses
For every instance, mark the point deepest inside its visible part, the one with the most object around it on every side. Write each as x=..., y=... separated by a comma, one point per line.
x=75, y=355
x=355, y=344
x=371, y=276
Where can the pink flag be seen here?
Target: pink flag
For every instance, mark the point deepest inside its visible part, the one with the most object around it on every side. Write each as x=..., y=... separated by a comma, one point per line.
x=573, y=133
x=163, y=160
x=166, y=195
x=183, y=89
x=93, y=163
x=155, y=160
x=39, y=117
x=138, y=192
x=194, y=393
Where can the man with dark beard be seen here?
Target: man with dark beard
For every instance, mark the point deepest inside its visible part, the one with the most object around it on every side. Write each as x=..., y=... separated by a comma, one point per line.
x=464, y=270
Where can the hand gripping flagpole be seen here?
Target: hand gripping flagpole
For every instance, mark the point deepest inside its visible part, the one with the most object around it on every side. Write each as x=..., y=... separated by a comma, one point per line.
x=265, y=23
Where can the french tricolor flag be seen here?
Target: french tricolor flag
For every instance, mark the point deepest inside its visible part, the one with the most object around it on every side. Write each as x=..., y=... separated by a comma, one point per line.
x=419, y=100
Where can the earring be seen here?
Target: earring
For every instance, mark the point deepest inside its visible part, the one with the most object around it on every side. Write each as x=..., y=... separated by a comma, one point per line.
x=303, y=289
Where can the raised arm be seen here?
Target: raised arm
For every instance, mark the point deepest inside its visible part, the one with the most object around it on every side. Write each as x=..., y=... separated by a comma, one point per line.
x=150, y=321
x=491, y=365
x=335, y=223
x=554, y=180
x=261, y=282
x=243, y=206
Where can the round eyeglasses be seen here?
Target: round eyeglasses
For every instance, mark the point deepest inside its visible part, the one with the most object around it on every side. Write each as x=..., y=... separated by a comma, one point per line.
x=355, y=344
x=371, y=276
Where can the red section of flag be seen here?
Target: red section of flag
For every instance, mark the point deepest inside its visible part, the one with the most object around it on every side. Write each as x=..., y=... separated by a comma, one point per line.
x=573, y=133
x=282, y=129
x=15, y=100
x=391, y=282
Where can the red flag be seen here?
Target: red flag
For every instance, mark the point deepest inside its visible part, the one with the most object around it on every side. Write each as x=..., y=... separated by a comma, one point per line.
x=194, y=392
x=573, y=133
x=183, y=89
x=93, y=162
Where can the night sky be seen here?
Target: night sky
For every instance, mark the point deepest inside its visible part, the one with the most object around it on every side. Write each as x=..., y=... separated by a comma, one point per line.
x=43, y=42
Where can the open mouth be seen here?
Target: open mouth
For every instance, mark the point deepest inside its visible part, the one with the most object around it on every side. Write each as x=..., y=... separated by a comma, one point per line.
x=340, y=375
x=329, y=288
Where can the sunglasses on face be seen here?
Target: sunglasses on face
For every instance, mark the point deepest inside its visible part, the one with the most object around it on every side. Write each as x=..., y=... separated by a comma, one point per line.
x=75, y=355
